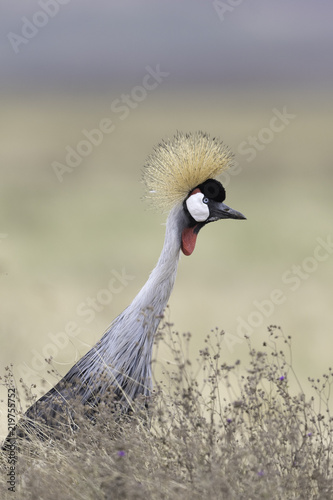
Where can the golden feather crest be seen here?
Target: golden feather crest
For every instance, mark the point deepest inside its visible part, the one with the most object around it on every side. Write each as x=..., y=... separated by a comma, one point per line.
x=178, y=165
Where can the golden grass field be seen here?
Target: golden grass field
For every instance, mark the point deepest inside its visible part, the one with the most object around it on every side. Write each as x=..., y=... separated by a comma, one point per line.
x=60, y=242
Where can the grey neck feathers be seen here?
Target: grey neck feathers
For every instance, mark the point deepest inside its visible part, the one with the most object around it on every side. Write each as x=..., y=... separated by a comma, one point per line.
x=156, y=292
x=125, y=350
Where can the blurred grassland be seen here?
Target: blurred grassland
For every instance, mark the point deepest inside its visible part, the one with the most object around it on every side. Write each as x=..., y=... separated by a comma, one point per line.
x=64, y=239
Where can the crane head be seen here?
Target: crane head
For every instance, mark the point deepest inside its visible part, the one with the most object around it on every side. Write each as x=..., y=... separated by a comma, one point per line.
x=182, y=172
x=204, y=204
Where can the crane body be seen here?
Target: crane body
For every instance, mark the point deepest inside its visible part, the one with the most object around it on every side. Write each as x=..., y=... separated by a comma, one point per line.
x=180, y=176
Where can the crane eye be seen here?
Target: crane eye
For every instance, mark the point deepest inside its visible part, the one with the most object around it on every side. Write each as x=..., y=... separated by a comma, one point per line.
x=205, y=200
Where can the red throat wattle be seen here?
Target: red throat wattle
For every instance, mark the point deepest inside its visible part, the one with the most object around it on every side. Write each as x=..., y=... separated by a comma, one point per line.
x=189, y=238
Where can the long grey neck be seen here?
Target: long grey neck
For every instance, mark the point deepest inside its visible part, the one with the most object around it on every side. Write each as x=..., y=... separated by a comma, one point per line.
x=126, y=347
x=155, y=293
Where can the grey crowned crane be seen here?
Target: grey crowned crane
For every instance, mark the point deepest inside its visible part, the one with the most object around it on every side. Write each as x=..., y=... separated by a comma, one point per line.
x=180, y=176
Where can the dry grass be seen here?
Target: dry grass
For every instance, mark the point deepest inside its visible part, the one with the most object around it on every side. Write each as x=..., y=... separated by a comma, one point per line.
x=217, y=431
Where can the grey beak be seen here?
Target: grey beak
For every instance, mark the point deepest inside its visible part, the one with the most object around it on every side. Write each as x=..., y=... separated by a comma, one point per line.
x=222, y=211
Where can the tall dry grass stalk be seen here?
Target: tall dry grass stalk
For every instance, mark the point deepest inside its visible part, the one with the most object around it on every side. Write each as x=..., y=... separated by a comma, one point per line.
x=215, y=431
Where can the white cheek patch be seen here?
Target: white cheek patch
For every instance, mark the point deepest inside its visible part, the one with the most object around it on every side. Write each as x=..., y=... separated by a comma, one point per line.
x=196, y=207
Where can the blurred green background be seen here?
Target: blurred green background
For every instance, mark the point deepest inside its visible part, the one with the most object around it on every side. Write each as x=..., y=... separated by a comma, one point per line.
x=229, y=73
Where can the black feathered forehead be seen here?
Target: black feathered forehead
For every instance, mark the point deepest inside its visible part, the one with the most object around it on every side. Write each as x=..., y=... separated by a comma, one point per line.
x=213, y=190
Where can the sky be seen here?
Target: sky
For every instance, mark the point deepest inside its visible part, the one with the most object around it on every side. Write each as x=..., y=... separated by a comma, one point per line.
x=56, y=44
